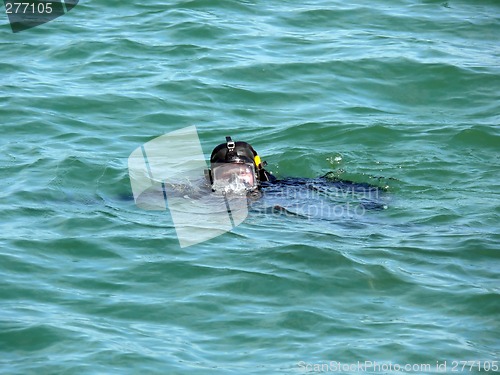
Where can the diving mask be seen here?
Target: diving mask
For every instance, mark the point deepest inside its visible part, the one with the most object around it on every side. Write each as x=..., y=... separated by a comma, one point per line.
x=238, y=178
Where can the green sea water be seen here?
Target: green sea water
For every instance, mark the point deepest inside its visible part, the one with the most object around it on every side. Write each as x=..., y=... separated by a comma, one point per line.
x=402, y=94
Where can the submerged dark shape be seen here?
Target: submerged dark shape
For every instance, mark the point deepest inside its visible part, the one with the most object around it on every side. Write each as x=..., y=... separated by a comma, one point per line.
x=323, y=197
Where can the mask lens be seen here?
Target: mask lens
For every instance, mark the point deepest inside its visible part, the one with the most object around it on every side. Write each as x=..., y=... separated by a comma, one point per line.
x=234, y=177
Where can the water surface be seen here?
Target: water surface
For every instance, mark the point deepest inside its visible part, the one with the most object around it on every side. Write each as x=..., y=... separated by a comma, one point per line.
x=404, y=95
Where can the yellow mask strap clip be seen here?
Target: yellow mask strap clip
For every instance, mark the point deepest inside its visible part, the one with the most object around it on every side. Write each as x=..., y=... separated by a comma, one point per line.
x=257, y=161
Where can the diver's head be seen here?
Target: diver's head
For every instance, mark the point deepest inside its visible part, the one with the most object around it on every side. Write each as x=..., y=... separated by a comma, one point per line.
x=234, y=168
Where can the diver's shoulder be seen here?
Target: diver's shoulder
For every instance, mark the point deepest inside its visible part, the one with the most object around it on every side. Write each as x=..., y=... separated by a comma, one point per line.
x=265, y=176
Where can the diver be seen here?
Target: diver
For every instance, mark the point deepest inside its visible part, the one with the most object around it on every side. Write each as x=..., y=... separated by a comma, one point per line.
x=235, y=167
x=237, y=171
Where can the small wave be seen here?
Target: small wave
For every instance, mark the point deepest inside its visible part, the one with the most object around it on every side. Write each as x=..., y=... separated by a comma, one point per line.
x=477, y=137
